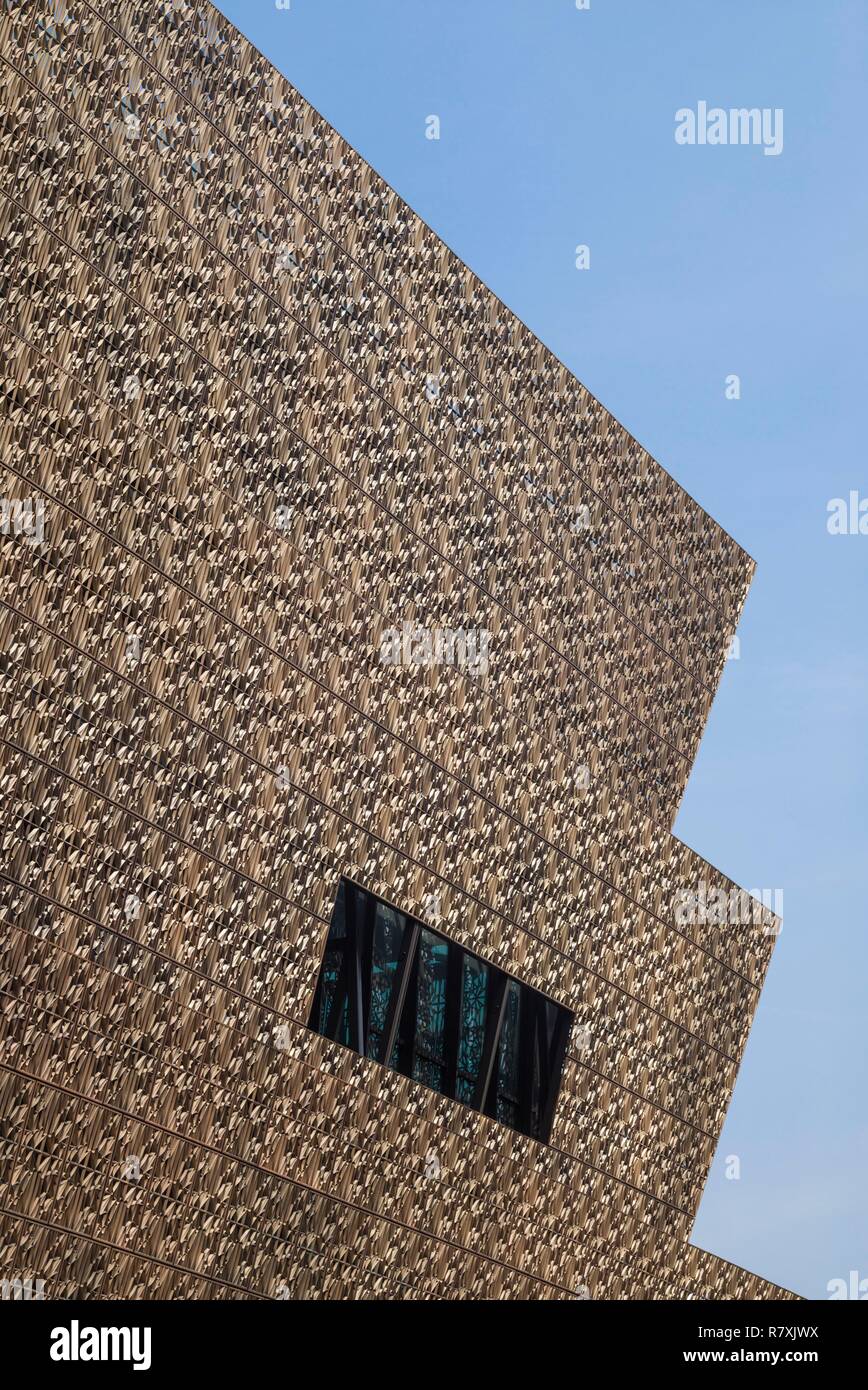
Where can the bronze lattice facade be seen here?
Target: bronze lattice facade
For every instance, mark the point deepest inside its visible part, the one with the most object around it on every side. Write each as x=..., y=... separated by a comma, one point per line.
x=256, y=418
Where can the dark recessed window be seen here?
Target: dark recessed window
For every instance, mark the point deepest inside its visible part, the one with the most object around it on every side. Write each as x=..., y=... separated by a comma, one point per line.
x=408, y=997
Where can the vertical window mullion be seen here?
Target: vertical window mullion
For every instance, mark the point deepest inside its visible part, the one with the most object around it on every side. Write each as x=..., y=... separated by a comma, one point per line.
x=407, y=1019
x=527, y=1036
x=354, y=969
x=543, y=1050
x=365, y=956
x=340, y=997
x=400, y=987
x=553, y=1066
x=454, y=977
x=495, y=1011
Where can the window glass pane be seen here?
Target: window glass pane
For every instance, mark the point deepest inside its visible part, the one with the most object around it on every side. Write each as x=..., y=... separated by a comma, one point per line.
x=540, y=1044
x=429, y=1051
x=331, y=969
x=506, y=1108
x=474, y=995
x=448, y=1012
x=541, y=1018
x=389, y=928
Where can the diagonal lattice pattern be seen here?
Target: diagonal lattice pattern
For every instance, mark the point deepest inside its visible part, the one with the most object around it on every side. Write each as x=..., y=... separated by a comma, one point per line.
x=255, y=417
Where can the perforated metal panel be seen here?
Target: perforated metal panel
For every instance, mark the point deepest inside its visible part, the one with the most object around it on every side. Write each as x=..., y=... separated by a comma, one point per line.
x=255, y=418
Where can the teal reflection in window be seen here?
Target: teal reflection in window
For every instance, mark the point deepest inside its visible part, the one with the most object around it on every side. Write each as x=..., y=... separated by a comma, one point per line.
x=474, y=995
x=447, y=1018
x=331, y=972
x=389, y=928
x=429, y=1054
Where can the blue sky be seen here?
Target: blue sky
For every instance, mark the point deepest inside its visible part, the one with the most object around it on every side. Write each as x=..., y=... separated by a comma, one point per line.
x=557, y=128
